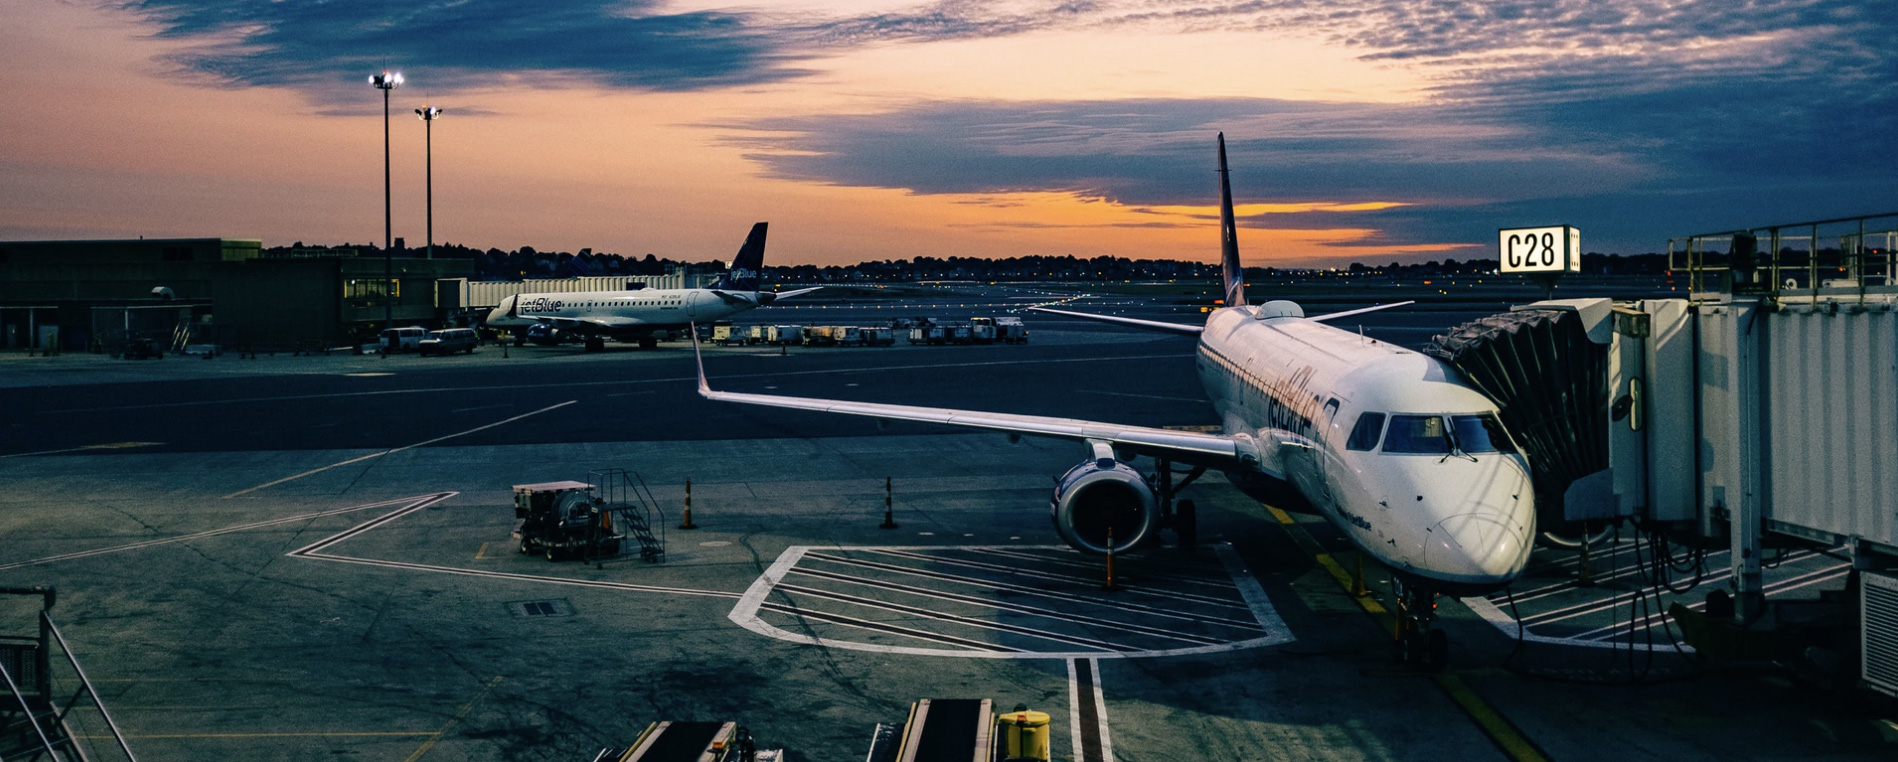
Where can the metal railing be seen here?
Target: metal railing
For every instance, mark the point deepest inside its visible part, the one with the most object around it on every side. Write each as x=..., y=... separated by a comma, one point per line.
x=45, y=725
x=1838, y=257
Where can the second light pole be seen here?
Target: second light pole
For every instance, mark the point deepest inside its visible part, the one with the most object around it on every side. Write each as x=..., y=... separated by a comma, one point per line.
x=428, y=115
x=385, y=82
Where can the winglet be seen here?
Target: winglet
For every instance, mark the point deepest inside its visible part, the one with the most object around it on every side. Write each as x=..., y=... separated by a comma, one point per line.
x=705, y=389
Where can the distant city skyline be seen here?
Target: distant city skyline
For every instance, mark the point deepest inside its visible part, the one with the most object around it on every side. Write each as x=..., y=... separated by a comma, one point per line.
x=1359, y=130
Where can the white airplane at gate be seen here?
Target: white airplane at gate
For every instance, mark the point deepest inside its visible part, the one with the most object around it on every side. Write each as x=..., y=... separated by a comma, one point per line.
x=1389, y=445
x=645, y=314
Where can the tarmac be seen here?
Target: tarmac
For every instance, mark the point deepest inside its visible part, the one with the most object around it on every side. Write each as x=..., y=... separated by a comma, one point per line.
x=304, y=558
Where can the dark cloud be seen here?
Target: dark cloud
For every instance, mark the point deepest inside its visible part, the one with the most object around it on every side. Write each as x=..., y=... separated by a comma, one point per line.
x=327, y=49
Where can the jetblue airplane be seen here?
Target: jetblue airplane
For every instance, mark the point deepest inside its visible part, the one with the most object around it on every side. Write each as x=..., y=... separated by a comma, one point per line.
x=1390, y=446
x=644, y=315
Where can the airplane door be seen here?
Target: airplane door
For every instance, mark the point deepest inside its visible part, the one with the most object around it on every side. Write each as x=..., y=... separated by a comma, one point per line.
x=692, y=304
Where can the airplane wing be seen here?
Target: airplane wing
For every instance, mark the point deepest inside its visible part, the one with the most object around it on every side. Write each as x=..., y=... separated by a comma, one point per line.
x=1212, y=450
x=587, y=324
x=1151, y=325
x=1359, y=311
x=758, y=297
x=795, y=292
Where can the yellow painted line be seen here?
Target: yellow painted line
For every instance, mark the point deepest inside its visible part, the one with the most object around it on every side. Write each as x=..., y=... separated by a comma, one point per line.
x=481, y=552
x=1505, y=735
x=1511, y=741
x=465, y=709
x=1304, y=540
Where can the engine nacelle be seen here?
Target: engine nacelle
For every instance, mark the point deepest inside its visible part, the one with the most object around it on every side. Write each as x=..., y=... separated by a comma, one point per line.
x=1101, y=493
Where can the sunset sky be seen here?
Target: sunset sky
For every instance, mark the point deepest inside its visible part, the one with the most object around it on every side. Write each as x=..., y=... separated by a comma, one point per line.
x=1364, y=130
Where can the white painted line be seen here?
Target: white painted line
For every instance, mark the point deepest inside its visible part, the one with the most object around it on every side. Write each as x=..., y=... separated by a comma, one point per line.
x=1254, y=593
x=745, y=614
x=1074, y=711
x=1100, y=714
x=573, y=384
x=226, y=530
x=396, y=450
x=86, y=448
x=314, y=551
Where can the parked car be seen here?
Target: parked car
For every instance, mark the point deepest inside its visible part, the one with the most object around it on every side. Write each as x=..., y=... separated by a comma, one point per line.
x=396, y=340
x=449, y=341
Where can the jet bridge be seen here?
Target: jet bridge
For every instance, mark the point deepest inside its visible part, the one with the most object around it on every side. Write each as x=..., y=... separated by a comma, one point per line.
x=1760, y=411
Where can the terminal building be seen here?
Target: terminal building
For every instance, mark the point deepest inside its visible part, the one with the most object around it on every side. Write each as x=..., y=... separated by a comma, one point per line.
x=230, y=292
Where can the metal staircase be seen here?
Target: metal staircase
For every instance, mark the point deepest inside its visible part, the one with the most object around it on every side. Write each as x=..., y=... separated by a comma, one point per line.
x=630, y=505
x=38, y=719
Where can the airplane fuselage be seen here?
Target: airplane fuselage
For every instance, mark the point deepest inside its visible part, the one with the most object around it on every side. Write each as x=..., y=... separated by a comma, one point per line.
x=624, y=313
x=1433, y=488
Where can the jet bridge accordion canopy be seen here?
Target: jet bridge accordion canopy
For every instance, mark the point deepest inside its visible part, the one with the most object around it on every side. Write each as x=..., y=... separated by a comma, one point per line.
x=1551, y=384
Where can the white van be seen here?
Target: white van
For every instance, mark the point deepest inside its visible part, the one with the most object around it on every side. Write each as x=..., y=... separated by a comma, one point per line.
x=395, y=340
x=449, y=340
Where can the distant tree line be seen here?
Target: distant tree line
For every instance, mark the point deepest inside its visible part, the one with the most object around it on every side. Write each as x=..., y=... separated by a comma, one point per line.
x=528, y=262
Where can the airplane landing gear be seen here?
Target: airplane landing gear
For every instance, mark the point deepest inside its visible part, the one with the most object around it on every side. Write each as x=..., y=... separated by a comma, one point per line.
x=1417, y=643
x=648, y=342
x=596, y=344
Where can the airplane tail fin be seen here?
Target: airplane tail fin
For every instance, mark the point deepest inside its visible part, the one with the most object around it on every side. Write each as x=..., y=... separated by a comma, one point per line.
x=1229, y=267
x=747, y=265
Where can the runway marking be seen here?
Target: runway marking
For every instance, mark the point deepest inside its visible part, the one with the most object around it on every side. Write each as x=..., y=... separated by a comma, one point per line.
x=865, y=624
x=1036, y=591
x=628, y=382
x=481, y=552
x=1808, y=579
x=453, y=721
x=1014, y=607
x=1266, y=628
x=1087, y=712
x=1013, y=553
x=957, y=619
x=111, y=446
x=315, y=551
x=1018, y=571
x=396, y=450
x=428, y=500
x=1505, y=735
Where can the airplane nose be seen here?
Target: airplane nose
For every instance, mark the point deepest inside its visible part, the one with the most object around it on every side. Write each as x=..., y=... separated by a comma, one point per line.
x=1485, y=544
x=504, y=309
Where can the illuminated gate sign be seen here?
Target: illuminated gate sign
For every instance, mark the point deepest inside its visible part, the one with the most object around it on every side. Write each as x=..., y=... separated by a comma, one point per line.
x=1539, y=250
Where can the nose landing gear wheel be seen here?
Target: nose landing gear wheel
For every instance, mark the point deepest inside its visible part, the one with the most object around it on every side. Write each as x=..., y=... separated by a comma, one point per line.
x=1418, y=644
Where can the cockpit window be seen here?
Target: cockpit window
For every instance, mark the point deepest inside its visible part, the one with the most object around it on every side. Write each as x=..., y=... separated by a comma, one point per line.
x=1418, y=435
x=1480, y=433
x=1364, y=435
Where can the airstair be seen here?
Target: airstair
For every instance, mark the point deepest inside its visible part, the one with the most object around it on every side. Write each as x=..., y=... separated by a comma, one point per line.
x=630, y=505
x=50, y=712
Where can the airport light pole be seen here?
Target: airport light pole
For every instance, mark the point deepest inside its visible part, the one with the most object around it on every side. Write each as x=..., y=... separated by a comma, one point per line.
x=428, y=115
x=385, y=82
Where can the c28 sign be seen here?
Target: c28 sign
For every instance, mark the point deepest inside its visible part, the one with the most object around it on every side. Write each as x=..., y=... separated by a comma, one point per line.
x=1544, y=249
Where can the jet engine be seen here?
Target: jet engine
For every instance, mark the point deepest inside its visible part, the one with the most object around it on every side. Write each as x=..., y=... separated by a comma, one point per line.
x=1102, y=493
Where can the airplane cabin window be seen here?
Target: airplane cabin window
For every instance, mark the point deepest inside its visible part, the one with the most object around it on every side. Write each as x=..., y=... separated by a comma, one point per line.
x=1417, y=435
x=1364, y=435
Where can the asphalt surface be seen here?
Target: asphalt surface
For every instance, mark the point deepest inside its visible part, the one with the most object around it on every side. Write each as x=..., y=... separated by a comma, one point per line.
x=303, y=558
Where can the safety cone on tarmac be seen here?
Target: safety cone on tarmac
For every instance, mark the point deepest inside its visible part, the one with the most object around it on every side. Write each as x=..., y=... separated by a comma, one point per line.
x=889, y=506
x=1111, y=585
x=686, y=523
